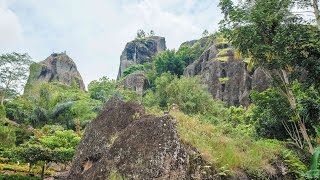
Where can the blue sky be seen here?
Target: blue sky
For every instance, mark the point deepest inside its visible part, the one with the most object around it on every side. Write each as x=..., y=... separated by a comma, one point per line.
x=94, y=32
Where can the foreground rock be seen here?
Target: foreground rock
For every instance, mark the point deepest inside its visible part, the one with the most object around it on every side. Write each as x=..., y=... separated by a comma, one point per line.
x=124, y=142
x=58, y=67
x=136, y=81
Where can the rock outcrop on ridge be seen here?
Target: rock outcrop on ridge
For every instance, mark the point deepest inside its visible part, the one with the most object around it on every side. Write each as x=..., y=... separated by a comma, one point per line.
x=140, y=51
x=58, y=67
x=226, y=75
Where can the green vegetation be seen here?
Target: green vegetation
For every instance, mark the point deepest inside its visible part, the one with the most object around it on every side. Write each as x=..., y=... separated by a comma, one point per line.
x=132, y=69
x=225, y=151
x=45, y=124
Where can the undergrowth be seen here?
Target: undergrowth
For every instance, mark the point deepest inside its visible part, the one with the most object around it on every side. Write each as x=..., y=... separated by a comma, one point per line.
x=224, y=150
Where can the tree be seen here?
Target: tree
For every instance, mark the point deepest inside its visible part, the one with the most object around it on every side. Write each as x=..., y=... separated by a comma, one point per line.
x=277, y=41
x=132, y=69
x=53, y=144
x=102, y=89
x=151, y=33
x=168, y=61
x=205, y=33
x=13, y=73
x=141, y=34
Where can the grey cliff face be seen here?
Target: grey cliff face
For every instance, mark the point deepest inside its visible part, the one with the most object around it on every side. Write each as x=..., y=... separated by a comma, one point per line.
x=140, y=51
x=58, y=67
x=226, y=75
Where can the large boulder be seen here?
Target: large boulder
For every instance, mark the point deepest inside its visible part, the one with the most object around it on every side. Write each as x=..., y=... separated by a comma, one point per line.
x=140, y=51
x=136, y=81
x=125, y=142
x=226, y=75
x=58, y=67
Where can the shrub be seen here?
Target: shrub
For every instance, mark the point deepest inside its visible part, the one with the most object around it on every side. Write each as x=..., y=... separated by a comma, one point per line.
x=132, y=69
x=7, y=137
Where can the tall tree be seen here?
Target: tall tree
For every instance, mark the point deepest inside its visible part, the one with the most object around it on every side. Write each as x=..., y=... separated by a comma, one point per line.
x=13, y=73
x=277, y=41
x=141, y=33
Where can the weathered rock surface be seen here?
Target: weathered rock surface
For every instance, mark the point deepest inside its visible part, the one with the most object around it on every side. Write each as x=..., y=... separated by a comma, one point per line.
x=58, y=67
x=124, y=142
x=135, y=82
x=140, y=51
x=226, y=75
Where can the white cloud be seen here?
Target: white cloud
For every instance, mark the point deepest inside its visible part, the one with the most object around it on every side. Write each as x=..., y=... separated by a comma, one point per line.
x=10, y=27
x=95, y=32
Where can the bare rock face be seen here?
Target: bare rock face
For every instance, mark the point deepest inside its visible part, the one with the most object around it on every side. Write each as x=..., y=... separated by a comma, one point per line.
x=135, y=82
x=58, y=67
x=140, y=51
x=123, y=142
x=226, y=75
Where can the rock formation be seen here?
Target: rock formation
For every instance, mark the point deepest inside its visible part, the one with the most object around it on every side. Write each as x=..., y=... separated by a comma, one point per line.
x=125, y=143
x=58, y=67
x=225, y=74
x=135, y=82
x=140, y=51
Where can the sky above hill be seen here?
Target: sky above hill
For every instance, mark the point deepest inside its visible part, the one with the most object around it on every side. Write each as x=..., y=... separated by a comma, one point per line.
x=94, y=32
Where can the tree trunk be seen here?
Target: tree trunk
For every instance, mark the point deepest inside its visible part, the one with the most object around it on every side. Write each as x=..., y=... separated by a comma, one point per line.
x=2, y=100
x=293, y=106
x=316, y=12
x=42, y=171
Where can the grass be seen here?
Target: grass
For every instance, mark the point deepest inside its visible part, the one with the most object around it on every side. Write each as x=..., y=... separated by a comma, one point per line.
x=225, y=151
x=22, y=168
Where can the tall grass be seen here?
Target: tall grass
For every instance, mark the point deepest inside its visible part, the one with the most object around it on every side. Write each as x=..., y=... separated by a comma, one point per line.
x=225, y=151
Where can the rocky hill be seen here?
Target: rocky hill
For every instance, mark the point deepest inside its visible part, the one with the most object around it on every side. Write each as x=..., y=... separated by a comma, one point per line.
x=140, y=51
x=227, y=76
x=58, y=67
x=124, y=142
